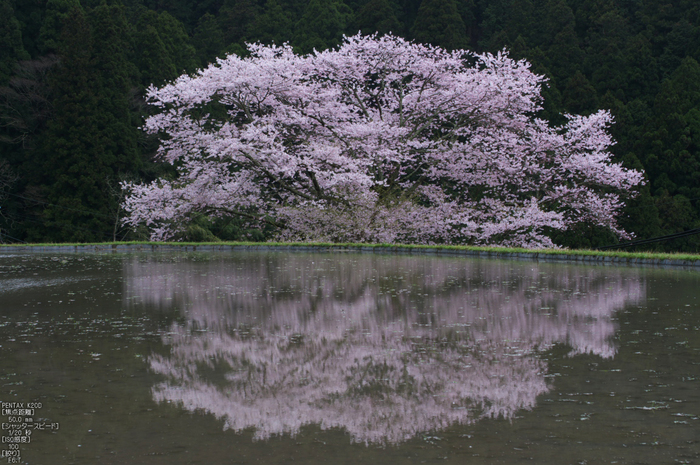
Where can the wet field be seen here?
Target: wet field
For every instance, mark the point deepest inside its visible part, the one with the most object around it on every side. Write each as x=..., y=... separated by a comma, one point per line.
x=279, y=357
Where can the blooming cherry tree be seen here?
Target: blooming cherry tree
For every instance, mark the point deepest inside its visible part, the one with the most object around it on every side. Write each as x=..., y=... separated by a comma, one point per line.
x=379, y=140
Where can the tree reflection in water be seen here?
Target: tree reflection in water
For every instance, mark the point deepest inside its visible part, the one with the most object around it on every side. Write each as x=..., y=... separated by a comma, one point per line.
x=385, y=347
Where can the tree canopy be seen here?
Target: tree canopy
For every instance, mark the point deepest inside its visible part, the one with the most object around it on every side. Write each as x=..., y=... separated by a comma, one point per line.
x=379, y=140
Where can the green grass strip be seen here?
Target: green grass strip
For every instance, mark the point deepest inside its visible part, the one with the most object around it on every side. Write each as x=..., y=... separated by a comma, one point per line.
x=623, y=256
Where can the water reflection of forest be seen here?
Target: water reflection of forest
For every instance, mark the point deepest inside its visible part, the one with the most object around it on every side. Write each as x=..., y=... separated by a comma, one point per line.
x=384, y=347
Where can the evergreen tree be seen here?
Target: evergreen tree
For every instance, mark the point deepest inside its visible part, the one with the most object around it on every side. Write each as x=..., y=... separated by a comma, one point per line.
x=377, y=16
x=579, y=95
x=236, y=19
x=674, y=138
x=29, y=14
x=152, y=59
x=274, y=25
x=322, y=25
x=606, y=62
x=681, y=41
x=494, y=14
x=468, y=11
x=25, y=110
x=671, y=148
x=641, y=69
x=207, y=40
x=161, y=48
x=72, y=186
x=177, y=43
x=203, y=7
x=558, y=32
x=92, y=136
x=11, y=47
x=117, y=123
x=55, y=16
x=13, y=111
x=439, y=23
x=408, y=10
x=519, y=20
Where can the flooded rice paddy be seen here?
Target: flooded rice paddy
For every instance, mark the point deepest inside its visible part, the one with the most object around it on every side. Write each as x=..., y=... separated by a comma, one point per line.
x=345, y=358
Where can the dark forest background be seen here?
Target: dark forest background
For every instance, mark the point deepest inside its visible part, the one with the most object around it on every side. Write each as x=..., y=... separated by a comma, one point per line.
x=73, y=75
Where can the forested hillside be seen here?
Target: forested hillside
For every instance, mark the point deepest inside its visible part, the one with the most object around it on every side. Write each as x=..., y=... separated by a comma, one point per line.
x=73, y=76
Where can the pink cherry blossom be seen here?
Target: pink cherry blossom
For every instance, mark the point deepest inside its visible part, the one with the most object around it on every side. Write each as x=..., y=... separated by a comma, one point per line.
x=379, y=140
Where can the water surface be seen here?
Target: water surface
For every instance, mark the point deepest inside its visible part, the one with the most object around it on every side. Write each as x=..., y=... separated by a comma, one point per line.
x=266, y=357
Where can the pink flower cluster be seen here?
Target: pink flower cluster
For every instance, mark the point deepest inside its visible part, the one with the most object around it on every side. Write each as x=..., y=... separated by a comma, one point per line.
x=380, y=140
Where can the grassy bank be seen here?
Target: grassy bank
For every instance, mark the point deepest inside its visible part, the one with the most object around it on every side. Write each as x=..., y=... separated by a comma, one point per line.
x=448, y=249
